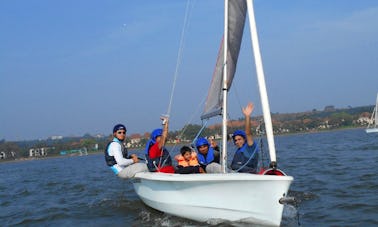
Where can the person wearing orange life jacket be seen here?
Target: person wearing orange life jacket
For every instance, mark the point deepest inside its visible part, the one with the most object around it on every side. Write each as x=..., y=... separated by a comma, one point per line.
x=187, y=161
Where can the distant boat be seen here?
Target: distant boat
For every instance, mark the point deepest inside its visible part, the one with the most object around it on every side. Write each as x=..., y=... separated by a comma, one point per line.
x=373, y=123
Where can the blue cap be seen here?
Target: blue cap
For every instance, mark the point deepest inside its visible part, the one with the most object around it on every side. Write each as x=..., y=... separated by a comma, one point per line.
x=202, y=141
x=119, y=127
x=239, y=133
x=157, y=132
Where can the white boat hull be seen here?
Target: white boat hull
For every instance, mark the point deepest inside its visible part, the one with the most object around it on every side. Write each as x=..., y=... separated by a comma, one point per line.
x=371, y=130
x=215, y=198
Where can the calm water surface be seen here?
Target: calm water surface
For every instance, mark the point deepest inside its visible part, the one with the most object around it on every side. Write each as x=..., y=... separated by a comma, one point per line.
x=336, y=183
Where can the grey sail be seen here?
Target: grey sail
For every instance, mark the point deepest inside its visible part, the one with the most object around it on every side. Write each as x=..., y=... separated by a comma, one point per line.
x=236, y=19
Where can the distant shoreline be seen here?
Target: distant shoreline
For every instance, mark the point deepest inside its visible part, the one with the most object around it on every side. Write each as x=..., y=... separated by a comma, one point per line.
x=99, y=152
x=46, y=157
x=320, y=131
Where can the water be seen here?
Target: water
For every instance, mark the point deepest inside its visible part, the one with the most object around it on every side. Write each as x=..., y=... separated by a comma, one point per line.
x=336, y=182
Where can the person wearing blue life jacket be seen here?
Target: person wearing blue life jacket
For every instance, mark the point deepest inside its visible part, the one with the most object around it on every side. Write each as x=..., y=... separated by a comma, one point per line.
x=116, y=155
x=246, y=156
x=208, y=156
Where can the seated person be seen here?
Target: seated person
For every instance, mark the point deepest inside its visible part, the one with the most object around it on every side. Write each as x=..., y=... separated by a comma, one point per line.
x=246, y=156
x=187, y=161
x=157, y=156
x=208, y=157
x=116, y=155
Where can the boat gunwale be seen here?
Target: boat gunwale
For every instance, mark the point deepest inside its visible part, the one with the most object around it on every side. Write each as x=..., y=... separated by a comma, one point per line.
x=155, y=176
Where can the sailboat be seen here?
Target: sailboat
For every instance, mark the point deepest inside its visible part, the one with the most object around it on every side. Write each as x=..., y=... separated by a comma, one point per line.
x=373, y=123
x=226, y=196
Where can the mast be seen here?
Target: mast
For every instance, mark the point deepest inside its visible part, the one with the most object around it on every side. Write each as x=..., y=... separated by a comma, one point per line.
x=223, y=160
x=261, y=82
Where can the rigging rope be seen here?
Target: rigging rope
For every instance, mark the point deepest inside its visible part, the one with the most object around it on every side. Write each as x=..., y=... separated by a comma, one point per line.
x=190, y=120
x=200, y=131
x=178, y=62
x=179, y=55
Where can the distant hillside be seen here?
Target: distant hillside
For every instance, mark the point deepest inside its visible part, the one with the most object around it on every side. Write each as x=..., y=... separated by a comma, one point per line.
x=328, y=119
x=322, y=114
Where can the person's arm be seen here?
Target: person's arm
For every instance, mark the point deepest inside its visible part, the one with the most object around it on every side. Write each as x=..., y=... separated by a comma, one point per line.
x=214, y=144
x=165, y=132
x=116, y=150
x=247, y=111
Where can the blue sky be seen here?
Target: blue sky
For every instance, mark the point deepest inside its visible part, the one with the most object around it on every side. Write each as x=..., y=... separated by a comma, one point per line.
x=75, y=67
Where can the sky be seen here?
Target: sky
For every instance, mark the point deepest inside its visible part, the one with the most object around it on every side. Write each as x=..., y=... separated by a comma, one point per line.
x=81, y=66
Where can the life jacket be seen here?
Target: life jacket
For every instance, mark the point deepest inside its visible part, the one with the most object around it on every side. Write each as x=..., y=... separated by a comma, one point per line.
x=182, y=162
x=158, y=163
x=204, y=161
x=110, y=160
x=246, y=159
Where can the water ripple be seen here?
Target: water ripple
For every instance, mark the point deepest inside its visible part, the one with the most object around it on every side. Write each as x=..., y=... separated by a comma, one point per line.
x=335, y=184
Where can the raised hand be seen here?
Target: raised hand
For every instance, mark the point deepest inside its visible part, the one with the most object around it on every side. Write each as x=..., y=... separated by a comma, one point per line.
x=247, y=111
x=164, y=120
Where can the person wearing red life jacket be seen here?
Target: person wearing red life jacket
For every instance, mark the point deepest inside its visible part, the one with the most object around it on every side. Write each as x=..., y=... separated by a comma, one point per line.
x=157, y=156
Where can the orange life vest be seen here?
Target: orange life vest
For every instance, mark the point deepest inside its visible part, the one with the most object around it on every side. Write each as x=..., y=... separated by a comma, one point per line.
x=182, y=162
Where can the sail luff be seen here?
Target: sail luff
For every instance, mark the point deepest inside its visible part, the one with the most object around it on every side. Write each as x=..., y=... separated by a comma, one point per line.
x=235, y=27
x=261, y=82
x=214, y=98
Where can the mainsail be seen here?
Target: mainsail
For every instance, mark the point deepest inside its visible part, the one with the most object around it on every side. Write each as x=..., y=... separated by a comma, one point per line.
x=236, y=19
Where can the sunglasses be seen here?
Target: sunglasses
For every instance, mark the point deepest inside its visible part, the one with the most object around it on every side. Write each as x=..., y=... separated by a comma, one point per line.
x=121, y=132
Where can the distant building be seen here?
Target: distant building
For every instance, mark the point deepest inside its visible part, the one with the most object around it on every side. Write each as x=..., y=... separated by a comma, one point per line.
x=364, y=120
x=135, y=140
x=38, y=152
x=99, y=136
x=329, y=108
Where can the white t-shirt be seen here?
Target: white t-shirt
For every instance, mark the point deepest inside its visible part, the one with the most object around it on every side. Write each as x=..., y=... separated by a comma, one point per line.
x=115, y=149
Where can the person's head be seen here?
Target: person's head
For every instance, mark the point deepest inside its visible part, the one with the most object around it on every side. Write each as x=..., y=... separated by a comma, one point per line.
x=119, y=132
x=202, y=145
x=156, y=135
x=186, y=152
x=239, y=137
x=212, y=141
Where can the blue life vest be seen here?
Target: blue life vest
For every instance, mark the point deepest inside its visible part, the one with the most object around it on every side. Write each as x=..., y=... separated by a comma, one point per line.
x=110, y=160
x=204, y=161
x=160, y=161
x=246, y=159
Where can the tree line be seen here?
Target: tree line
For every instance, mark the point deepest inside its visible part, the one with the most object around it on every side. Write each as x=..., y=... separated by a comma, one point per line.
x=282, y=124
